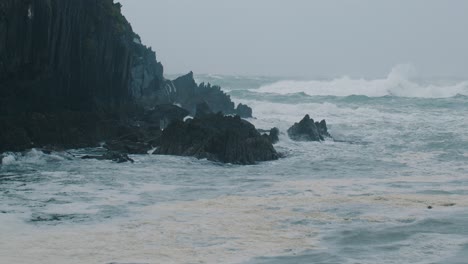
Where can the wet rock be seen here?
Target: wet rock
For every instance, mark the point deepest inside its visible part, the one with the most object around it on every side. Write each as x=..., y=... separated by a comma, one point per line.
x=111, y=155
x=227, y=139
x=164, y=114
x=203, y=110
x=13, y=137
x=73, y=73
x=138, y=138
x=188, y=94
x=308, y=130
x=66, y=55
x=272, y=135
x=244, y=111
x=128, y=146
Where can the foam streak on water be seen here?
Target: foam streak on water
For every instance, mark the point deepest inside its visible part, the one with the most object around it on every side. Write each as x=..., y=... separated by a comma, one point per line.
x=401, y=147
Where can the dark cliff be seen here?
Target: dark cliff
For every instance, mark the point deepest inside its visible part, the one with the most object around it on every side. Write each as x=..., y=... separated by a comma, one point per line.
x=71, y=71
x=59, y=54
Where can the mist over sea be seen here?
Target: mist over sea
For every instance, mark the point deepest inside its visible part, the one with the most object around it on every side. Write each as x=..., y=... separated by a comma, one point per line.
x=391, y=188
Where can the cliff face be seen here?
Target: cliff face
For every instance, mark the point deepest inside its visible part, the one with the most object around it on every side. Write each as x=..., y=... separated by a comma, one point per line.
x=69, y=54
x=70, y=70
x=68, y=65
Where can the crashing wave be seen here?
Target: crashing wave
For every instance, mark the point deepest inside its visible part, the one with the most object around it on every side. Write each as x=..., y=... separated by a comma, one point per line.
x=398, y=83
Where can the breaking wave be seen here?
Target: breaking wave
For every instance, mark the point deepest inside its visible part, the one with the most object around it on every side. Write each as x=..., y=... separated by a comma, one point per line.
x=398, y=83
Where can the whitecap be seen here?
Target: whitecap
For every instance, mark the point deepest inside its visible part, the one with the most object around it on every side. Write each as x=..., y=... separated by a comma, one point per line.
x=399, y=83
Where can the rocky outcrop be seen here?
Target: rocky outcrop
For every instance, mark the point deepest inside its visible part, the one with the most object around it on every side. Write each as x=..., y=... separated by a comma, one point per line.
x=244, y=111
x=64, y=129
x=73, y=73
x=273, y=135
x=63, y=54
x=111, y=155
x=308, y=130
x=203, y=110
x=216, y=137
x=65, y=72
x=147, y=84
x=164, y=114
x=188, y=94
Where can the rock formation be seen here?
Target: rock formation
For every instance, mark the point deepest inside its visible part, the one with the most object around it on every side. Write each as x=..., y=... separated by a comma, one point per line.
x=189, y=95
x=63, y=54
x=308, y=130
x=164, y=114
x=111, y=155
x=202, y=110
x=244, y=111
x=73, y=73
x=219, y=138
x=273, y=135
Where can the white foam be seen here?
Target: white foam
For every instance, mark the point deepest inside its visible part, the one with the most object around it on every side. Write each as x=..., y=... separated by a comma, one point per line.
x=227, y=229
x=398, y=83
x=421, y=248
x=8, y=159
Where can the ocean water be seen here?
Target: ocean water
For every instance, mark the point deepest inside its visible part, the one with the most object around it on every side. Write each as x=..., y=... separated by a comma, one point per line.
x=401, y=147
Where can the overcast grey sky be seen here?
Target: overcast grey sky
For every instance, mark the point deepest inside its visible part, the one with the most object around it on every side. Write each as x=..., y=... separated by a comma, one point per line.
x=360, y=38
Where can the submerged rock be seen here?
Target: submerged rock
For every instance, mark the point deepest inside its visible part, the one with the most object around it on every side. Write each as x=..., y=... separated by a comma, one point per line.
x=227, y=139
x=308, y=130
x=111, y=155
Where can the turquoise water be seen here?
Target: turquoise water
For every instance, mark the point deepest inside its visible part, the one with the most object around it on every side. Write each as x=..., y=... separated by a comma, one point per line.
x=401, y=146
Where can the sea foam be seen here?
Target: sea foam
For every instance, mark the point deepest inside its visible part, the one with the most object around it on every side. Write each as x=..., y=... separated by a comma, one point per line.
x=398, y=83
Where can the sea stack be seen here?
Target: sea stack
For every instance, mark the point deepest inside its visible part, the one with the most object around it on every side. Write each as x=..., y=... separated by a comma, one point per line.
x=308, y=130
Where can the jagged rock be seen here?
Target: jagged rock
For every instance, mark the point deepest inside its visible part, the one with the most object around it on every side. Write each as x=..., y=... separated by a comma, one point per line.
x=73, y=72
x=147, y=84
x=164, y=114
x=189, y=95
x=216, y=137
x=111, y=155
x=308, y=130
x=138, y=138
x=203, y=110
x=64, y=72
x=244, y=111
x=128, y=146
x=273, y=136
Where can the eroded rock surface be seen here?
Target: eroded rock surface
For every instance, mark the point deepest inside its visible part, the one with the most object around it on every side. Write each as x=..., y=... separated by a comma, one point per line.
x=308, y=130
x=227, y=139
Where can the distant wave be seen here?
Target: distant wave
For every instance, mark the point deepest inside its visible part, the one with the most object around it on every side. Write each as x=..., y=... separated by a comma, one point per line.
x=397, y=84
